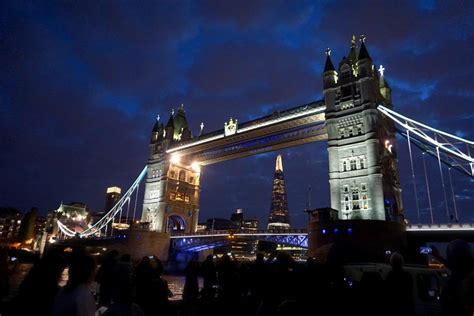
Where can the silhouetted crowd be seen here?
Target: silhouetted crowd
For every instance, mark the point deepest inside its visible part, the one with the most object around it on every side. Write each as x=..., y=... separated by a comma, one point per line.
x=276, y=286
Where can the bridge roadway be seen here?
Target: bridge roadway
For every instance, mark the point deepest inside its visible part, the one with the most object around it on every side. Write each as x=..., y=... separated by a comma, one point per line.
x=421, y=233
x=417, y=234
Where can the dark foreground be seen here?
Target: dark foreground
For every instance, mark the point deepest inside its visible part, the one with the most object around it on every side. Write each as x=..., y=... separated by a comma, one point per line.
x=263, y=287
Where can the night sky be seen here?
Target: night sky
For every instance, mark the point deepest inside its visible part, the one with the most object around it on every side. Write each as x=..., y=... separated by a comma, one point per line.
x=81, y=83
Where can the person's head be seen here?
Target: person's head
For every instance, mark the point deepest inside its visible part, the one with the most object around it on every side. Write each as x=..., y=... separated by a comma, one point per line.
x=396, y=261
x=112, y=255
x=125, y=258
x=51, y=266
x=459, y=256
x=145, y=261
x=81, y=271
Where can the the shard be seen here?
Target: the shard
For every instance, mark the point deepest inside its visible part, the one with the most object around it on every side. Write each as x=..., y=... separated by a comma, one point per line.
x=279, y=217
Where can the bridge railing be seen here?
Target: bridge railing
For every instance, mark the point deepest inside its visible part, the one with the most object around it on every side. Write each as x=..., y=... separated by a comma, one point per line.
x=451, y=226
x=240, y=232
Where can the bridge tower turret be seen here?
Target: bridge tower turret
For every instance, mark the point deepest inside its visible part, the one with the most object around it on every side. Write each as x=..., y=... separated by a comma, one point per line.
x=172, y=184
x=363, y=173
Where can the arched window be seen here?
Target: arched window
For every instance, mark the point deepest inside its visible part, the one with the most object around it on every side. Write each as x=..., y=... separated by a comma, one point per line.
x=182, y=175
x=344, y=165
x=353, y=164
x=362, y=163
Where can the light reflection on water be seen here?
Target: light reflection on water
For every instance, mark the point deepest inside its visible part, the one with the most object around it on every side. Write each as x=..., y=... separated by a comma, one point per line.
x=175, y=282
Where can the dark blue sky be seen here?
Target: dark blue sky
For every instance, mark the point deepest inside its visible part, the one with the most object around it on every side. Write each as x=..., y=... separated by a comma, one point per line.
x=81, y=83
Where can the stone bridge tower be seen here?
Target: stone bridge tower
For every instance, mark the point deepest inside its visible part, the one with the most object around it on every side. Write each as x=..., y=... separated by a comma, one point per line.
x=363, y=173
x=172, y=188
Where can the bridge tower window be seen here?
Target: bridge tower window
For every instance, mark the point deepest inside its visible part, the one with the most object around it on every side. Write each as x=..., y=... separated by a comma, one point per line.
x=182, y=175
x=362, y=163
x=353, y=164
x=172, y=174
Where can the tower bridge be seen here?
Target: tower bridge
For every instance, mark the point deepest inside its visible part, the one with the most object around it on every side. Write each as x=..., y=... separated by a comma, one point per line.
x=356, y=118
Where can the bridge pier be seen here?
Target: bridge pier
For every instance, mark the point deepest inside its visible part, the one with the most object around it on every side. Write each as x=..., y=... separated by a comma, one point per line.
x=356, y=240
x=140, y=243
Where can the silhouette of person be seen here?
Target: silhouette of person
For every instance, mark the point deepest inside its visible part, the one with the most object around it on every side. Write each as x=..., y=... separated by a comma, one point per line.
x=191, y=285
x=105, y=277
x=76, y=299
x=160, y=291
x=122, y=275
x=38, y=290
x=460, y=261
x=399, y=284
x=5, y=272
x=208, y=272
x=143, y=281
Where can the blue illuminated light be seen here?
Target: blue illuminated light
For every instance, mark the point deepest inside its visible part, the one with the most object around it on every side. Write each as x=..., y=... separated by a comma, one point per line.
x=324, y=232
x=349, y=230
x=335, y=230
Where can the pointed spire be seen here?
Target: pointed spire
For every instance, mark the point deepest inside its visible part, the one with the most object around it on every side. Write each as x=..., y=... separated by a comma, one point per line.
x=278, y=164
x=170, y=120
x=328, y=66
x=353, y=51
x=363, y=53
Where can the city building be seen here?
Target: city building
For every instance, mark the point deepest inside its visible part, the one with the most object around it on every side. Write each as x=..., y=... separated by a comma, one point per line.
x=10, y=221
x=237, y=217
x=250, y=224
x=221, y=224
x=75, y=215
x=112, y=197
x=279, y=217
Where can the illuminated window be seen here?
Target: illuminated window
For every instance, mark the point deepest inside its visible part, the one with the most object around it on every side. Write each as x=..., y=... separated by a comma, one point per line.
x=182, y=175
x=172, y=174
x=186, y=198
x=172, y=196
x=191, y=180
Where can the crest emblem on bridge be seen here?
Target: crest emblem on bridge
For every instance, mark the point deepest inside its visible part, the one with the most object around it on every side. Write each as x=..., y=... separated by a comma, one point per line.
x=230, y=127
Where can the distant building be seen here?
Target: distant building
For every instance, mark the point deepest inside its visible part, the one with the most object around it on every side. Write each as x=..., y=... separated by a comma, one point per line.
x=112, y=197
x=201, y=227
x=74, y=215
x=220, y=224
x=250, y=224
x=27, y=228
x=237, y=217
x=279, y=217
x=10, y=221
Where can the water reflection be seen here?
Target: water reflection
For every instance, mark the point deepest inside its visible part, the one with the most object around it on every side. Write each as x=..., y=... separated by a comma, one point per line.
x=175, y=282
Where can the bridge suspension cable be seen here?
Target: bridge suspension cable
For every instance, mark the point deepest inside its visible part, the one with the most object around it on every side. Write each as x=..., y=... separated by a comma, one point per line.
x=109, y=216
x=452, y=150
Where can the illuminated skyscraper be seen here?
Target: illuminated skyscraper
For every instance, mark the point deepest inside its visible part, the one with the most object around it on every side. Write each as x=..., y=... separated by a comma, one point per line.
x=279, y=217
x=112, y=197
